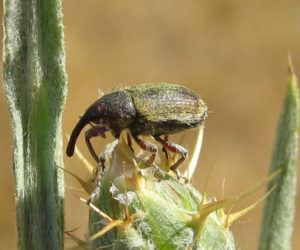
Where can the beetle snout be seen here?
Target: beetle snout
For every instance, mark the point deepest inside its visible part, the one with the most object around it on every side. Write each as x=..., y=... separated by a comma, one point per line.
x=80, y=125
x=92, y=114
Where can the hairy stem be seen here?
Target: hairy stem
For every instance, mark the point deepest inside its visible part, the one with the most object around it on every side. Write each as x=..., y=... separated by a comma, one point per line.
x=35, y=87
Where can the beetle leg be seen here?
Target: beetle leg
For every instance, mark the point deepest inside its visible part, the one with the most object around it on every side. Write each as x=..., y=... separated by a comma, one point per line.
x=94, y=131
x=94, y=194
x=105, y=155
x=150, y=147
x=166, y=138
x=129, y=142
x=175, y=148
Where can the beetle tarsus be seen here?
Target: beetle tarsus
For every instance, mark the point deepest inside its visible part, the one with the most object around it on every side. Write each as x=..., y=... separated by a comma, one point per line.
x=150, y=147
x=159, y=173
x=179, y=176
x=175, y=148
x=94, y=194
x=105, y=155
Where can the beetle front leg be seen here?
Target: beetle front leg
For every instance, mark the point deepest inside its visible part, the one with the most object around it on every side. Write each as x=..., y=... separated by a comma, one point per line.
x=105, y=155
x=175, y=148
x=94, y=194
x=94, y=131
x=150, y=147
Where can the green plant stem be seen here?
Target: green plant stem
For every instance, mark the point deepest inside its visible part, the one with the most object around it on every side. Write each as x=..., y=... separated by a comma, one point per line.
x=277, y=224
x=35, y=87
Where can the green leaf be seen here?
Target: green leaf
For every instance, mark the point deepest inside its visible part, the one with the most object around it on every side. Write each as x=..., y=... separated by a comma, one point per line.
x=277, y=224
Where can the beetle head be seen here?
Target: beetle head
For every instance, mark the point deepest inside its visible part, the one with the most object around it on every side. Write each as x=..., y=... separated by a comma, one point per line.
x=93, y=114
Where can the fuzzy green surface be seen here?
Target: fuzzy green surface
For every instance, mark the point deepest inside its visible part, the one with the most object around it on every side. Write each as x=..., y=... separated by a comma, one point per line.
x=35, y=87
x=277, y=224
x=167, y=209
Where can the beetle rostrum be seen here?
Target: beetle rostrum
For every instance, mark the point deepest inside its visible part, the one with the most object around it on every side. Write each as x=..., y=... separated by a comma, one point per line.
x=150, y=109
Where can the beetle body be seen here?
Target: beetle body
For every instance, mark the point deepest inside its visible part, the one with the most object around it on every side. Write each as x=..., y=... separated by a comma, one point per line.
x=146, y=109
x=164, y=109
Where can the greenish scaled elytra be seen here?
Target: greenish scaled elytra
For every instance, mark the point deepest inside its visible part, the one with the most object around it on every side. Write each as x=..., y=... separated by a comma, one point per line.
x=151, y=109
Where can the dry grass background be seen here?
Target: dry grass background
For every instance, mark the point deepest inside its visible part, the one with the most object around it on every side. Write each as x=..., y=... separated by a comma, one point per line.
x=232, y=53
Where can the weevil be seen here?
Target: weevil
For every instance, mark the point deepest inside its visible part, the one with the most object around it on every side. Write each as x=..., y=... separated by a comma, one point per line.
x=154, y=109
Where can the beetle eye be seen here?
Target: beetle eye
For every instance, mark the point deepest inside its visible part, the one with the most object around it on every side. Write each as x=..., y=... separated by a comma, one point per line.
x=101, y=107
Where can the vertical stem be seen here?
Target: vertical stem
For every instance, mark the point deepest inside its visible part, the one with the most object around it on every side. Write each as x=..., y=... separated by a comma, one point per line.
x=35, y=87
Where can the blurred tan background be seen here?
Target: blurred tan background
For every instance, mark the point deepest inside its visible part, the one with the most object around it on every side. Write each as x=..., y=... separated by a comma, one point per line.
x=232, y=53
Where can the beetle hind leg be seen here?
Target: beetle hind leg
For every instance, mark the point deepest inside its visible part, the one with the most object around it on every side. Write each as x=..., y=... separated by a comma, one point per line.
x=150, y=147
x=129, y=142
x=166, y=138
x=175, y=148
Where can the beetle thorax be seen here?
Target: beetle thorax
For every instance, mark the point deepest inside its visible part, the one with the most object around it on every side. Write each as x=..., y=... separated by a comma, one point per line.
x=117, y=111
